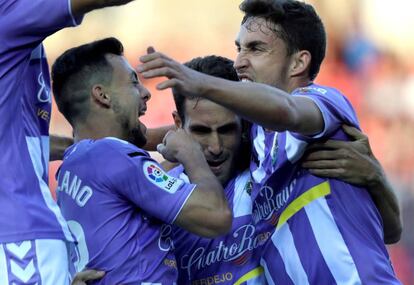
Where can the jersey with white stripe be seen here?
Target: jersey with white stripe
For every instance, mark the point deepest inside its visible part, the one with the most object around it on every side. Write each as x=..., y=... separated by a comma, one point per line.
x=229, y=259
x=25, y=106
x=117, y=201
x=325, y=231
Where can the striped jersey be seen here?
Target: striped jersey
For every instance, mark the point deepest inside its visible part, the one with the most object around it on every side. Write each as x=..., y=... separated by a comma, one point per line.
x=27, y=210
x=325, y=231
x=228, y=259
x=117, y=201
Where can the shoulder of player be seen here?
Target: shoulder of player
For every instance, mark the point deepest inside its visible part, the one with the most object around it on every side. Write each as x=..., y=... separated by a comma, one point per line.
x=118, y=147
x=315, y=89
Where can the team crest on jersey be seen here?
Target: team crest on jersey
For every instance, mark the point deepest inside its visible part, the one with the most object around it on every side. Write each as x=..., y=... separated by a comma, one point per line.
x=160, y=178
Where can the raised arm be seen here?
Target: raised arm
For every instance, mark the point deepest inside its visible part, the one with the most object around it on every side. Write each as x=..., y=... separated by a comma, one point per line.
x=267, y=106
x=355, y=163
x=81, y=7
x=206, y=212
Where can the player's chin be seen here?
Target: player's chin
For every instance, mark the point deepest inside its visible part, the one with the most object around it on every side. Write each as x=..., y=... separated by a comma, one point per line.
x=138, y=137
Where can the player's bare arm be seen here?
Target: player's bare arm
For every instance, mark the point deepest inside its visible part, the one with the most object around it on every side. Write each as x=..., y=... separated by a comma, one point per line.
x=81, y=7
x=206, y=212
x=155, y=136
x=267, y=106
x=355, y=163
x=87, y=275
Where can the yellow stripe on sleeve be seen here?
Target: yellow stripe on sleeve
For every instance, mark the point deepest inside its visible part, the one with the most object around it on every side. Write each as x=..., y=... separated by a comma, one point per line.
x=310, y=195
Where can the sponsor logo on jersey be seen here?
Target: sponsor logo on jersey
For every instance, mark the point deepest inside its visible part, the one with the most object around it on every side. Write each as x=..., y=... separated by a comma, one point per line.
x=160, y=178
x=312, y=89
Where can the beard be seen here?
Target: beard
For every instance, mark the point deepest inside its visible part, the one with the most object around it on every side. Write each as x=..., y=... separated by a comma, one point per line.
x=135, y=134
x=137, y=137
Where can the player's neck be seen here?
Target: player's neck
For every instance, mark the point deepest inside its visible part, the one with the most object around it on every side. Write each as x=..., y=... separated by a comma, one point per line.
x=93, y=131
x=298, y=82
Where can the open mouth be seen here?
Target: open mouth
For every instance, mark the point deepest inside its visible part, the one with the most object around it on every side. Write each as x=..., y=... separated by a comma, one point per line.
x=216, y=165
x=142, y=111
x=244, y=78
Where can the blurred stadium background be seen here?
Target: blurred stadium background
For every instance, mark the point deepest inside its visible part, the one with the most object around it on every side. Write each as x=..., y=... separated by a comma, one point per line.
x=369, y=59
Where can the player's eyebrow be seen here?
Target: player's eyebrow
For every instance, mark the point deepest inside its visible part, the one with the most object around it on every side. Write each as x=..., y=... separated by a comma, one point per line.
x=255, y=44
x=228, y=127
x=200, y=128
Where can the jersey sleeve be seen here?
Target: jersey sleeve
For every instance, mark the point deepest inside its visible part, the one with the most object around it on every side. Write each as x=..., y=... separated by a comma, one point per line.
x=26, y=23
x=334, y=107
x=153, y=190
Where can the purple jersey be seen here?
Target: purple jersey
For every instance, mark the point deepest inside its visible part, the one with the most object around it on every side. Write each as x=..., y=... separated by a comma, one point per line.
x=116, y=200
x=325, y=231
x=25, y=105
x=229, y=259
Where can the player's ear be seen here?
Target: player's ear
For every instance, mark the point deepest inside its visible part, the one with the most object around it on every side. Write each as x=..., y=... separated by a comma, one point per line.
x=177, y=119
x=100, y=96
x=300, y=63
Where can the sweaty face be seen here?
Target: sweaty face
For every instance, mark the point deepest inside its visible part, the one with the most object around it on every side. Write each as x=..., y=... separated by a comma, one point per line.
x=129, y=99
x=218, y=131
x=262, y=55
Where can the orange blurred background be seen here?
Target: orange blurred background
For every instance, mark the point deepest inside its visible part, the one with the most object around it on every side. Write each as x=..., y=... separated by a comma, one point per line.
x=369, y=46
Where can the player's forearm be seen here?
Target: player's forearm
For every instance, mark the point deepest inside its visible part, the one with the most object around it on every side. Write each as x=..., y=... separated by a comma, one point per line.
x=81, y=7
x=210, y=212
x=384, y=198
x=256, y=102
x=58, y=145
x=267, y=106
x=200, y=174
x=155, y=136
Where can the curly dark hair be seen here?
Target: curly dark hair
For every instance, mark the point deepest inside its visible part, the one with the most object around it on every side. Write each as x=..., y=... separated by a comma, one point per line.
x=76, y=70
x=295, y=22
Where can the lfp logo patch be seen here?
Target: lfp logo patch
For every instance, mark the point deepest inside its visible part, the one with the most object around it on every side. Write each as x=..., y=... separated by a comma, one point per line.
x=160, y=178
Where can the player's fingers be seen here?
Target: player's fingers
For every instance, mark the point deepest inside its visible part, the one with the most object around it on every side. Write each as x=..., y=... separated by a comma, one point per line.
x=353, y=132
x=169, y=133
x=166, y=153
x=319, y=154
x=328, y=173
x=150, y=50
x=322, y=164
x=153, y=64
x=171, y=83
x=329, y=144
x=159, y=72
x=153, y=55
x=161, y=148
x=87, y=275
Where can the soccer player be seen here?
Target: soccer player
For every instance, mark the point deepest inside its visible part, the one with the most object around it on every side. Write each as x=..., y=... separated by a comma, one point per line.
x=218, y=130
x=32, y=230
x=115, y=198
x=231, y=258
x=325, y=231
x=234, y=258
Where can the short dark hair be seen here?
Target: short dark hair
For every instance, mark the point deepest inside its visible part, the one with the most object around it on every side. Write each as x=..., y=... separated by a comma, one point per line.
x=299, y=25
x=217, y=66
x=77, y=70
